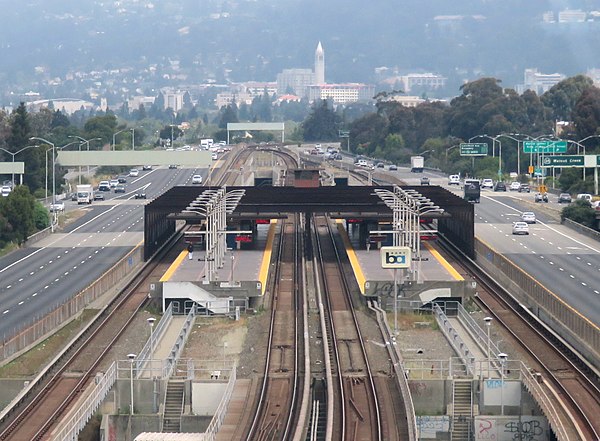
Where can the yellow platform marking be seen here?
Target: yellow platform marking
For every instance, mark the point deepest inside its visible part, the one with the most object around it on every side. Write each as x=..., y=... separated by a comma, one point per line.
x=443, y=262
x=266, y=261
x=169, y=273
x=559, y=299
x=358, y=273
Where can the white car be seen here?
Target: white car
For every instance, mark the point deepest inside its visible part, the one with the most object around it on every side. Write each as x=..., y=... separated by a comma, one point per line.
x=58, y=206
x=514, y=186
x=520, y=228
x=196, y=179
x=454, y=180
x=134, y=172
x=487, y=183
x=528, y=217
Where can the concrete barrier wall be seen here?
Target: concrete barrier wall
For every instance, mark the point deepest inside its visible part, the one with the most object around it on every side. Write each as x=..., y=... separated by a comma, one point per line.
x=40, y=327
x=577, y=330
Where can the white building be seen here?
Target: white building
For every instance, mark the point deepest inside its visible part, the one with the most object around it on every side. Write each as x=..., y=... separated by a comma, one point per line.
x=425, y=80
x=135, y=102
x=572, y=16
x=406, y=101
x=173, y=99
x=538, y=82
x=67, y=106
x=341, y=93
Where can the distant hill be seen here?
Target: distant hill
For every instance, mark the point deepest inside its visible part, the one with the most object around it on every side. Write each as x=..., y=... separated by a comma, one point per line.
x=254, y=40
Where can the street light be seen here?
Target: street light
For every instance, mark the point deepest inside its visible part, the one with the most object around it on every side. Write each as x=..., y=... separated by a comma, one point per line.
x=502, y=356
x=114, y=137
x=450, y=148
x=131, y=360
x=13, y=160
x=488, y=323
x=84, y=141
x=35, y=138
x=133, y=137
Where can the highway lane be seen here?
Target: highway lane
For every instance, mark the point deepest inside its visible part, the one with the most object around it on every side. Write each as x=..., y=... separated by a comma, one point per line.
x=34, y=280
x=561, y=259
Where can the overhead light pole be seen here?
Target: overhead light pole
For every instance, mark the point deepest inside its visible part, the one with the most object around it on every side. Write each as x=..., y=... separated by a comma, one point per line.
x=115, y=137
x=488, y=323
x=502, y=356
x=13, y=160
x=84, y=141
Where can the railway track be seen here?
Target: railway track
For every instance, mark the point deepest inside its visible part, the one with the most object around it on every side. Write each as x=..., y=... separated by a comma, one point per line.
x=357, y=414
x=33, y=417
x=276, y=413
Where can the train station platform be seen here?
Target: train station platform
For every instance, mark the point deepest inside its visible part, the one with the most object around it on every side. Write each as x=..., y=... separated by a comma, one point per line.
x=245, y=271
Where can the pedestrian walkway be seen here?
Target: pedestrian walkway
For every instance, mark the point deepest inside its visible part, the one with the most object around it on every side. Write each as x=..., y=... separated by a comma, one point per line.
x=163, y=347
x=480, y=357
x=237, y=411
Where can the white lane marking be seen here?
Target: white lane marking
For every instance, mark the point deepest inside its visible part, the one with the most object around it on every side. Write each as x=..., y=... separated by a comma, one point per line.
x=584, y=284
x=21, y=302
x=58, y=239
x=6, y=311
x=548, y=226
x=21, y=279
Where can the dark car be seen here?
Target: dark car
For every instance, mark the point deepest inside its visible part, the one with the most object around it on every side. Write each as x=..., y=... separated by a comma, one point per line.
x=524, y=188
x=73, y=196
x=120, y=188
x=140, y=195
x=146, y=167
x=338, y=157
x=380, y=165
x=172, y=166
x=500, y=186
x=564, y=198
x=393, y=167
x=122, y=180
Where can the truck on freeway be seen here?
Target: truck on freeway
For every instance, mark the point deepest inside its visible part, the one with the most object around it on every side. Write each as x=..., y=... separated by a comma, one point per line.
x=85, y=194
x=416, y=164
x=472, y=189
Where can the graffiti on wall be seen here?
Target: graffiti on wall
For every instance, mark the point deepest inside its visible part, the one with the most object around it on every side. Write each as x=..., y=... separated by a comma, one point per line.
x=511, y=429
x=429, y=426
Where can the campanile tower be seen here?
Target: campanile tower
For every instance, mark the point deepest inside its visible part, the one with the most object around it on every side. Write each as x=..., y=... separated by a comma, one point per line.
x=319, y=65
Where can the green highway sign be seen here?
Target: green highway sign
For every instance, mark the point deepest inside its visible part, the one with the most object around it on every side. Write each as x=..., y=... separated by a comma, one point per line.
x=563, y=161
x=545, y=147
x=473, y=149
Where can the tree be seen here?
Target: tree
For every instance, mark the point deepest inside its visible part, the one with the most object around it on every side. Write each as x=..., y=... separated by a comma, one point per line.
x=580, y=211
x=18, y=209
x=228, y=115
x=586, y=113
x=561, y=98
x=101, y=127
x=322, y=124
x=20, y=132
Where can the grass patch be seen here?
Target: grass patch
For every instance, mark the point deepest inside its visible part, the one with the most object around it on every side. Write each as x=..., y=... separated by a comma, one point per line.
x=32, y=362
x=9, y=248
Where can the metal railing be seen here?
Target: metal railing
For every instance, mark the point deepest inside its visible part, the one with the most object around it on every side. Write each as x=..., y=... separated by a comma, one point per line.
x=144, y=359
x=179, y=344
x=88, y=407
x=221, y=412
x=454, y=339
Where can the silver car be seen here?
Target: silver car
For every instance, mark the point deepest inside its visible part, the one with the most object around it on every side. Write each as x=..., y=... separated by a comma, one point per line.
x=528, y=217
x=520, y=228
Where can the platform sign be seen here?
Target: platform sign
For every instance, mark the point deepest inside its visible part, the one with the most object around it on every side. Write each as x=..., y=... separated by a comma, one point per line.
x=545, y=147
x=473, y=149
x=563, y=161
x=395, y=257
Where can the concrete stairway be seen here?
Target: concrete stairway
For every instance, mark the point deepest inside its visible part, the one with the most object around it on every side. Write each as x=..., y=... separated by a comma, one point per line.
x=173, y=406
x=462, y=410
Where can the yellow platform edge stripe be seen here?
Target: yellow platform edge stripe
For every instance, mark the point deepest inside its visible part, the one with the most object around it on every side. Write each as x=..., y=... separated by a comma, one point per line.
x=169, y=273
x=358, y=273
x=565, y=304
x=264, y=266
x=443, y=262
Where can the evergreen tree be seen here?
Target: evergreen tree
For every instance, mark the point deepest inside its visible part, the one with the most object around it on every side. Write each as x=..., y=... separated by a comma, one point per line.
x=322, y=124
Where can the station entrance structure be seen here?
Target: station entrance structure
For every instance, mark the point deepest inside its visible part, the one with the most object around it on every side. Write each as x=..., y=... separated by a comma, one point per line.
x=362, y=204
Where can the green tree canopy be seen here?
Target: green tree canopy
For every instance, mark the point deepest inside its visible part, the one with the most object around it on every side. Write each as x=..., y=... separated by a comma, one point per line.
x=322, y=124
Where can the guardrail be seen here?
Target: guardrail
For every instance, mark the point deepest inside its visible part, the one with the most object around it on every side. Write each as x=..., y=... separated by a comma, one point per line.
x=88, y=407
x=41, y=326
